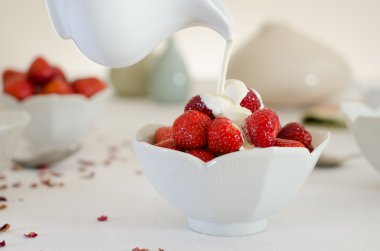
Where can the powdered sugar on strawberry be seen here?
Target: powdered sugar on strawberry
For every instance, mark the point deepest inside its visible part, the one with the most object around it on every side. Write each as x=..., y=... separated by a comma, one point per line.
x=234, y=120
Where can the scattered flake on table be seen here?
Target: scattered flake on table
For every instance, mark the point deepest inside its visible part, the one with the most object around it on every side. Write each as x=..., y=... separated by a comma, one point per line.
x=5, y=228
x=102, y=218
x=86, y=162
x=89, y=176
x=31, y=235
x=16, y=184
x=139, y=172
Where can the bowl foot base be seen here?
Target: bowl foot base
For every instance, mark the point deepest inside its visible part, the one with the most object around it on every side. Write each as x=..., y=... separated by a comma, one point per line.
x=233, y=229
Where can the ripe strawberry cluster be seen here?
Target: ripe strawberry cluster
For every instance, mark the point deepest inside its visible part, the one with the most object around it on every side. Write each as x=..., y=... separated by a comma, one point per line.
x=43, y=78
x=198, y=132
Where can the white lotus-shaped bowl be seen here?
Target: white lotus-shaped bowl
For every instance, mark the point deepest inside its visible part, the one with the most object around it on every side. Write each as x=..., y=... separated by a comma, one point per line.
x=234, y=194
x=364, y=124
x=12, y=124
x=58, y=121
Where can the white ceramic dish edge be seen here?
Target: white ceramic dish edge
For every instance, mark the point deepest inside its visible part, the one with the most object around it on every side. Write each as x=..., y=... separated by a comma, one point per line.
x=234, y=194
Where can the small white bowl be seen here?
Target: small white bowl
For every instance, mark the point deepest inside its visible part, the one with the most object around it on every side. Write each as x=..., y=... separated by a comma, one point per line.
x=234, y=194
x=364, y=124
x=57, y=121
x=12, y=125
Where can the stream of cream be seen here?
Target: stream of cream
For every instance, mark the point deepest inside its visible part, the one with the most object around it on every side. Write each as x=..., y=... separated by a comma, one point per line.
x=226, y=59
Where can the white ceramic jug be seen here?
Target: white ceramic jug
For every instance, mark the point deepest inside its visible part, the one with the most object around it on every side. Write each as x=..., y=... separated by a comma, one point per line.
x=119, y=33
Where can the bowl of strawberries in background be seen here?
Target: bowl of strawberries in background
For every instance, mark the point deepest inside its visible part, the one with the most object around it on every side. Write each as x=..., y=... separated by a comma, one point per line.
x=62, y=111
x=227, y=163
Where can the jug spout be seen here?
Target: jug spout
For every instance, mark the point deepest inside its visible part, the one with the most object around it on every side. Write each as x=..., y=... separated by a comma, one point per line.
x=57, y=11
x=119, y=33
x=215, y=16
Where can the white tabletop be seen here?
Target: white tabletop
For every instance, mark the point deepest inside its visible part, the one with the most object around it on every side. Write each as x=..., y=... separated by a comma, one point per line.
x=336, y=209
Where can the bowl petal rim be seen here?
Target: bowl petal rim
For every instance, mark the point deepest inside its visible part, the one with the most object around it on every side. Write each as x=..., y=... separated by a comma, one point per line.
x=325, y=137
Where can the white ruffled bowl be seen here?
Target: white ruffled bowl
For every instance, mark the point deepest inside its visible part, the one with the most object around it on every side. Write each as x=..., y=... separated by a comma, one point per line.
x=57, y=121
x=364, y=124
x=232, y=195
x=12, y=125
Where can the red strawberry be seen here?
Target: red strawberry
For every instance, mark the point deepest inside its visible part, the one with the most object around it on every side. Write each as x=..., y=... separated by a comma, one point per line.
x=310, y=148
x=168, y=143
x=296, y=131
x=57, y=86
x=190, y=130
x=40, y=71
x=163, y=133
x=261, y=128
x=196, y=103
x=11, y=75
x=288, y=143
x=58, y=73
x=88, y=86
x=223, y=136
x=251, y=101
x=20, y=89
x=202, y=154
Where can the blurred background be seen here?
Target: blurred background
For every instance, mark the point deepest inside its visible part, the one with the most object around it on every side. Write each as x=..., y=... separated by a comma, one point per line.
x=347, y=27
x=350, y=27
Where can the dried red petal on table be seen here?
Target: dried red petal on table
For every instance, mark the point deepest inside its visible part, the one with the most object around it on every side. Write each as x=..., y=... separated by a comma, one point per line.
x=16, y=184
x=3, y=187
x=139, y=172
x=31, y=235
x=56, y=174
x=140, y=249
x=82, y=168
x=2, y=198
x=16, y=167
x=5, y=228
x=2, y=243
x=113, y=149
x=89, y=176
x=47, y=182
x=33, y=185
x=3, y=206
x=102, y=218
x=2, y=177
x=86, y=162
